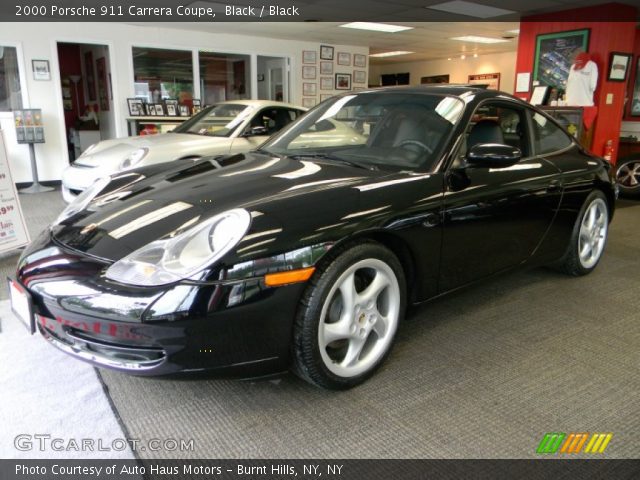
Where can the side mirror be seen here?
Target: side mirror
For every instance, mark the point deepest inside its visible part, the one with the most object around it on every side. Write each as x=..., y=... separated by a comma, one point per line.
x=493, y=155
x=256, y=131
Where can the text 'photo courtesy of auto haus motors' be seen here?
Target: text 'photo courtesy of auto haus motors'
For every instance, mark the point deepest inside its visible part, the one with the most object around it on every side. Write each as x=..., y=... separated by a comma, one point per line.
x=304, y=253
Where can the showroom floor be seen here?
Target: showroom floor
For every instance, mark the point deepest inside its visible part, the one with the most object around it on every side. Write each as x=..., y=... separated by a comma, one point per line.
x=485, y=372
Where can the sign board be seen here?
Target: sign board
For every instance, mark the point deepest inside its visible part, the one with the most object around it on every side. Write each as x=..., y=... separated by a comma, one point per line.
x=491, y=80
x=29, y=128
x=13, y=229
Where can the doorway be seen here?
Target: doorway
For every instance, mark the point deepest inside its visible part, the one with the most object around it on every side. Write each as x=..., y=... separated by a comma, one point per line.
x=273, y=78
x=87, y=96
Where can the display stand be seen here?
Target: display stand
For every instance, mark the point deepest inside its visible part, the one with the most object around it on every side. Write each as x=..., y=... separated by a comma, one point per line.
x=29, y=130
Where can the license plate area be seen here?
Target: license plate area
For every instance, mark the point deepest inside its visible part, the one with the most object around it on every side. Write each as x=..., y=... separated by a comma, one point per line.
x=22, y=305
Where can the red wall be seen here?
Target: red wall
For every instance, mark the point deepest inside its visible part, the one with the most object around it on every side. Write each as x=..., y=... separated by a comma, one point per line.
x=605, y=37
x=70, y=64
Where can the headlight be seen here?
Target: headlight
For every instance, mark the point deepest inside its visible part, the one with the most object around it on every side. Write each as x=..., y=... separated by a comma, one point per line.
x=172, y=259
x=133, y=158
x=82, y=200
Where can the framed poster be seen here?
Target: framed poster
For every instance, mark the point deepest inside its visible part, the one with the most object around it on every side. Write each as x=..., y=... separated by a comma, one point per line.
x=89, y=75
x=491, y=80
x=554, y=55
x=359, y=76
x=619, y=66
x=309, y=89
x=309, y=73
x=41, y=69
x=343, y=81
x=103, y=93
x=326, y=68
x=434, y=79
x=359, y=60
x=344, y=58
x=13, y=228
x=326, y=83
x=326, y=52
x=309, y=56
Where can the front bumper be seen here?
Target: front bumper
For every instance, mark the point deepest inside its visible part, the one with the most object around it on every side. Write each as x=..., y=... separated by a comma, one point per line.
x=239, y=328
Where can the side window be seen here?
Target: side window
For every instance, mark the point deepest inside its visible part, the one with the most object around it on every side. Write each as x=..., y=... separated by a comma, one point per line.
x=547, y=136
x=274, y=119
x=495, y=123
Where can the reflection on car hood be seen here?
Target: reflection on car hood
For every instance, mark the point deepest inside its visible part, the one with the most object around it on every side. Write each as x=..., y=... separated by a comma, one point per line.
x=167, y=144
x=279, y=193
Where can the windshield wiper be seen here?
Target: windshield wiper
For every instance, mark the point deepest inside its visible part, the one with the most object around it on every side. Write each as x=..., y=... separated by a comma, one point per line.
x=334, y=158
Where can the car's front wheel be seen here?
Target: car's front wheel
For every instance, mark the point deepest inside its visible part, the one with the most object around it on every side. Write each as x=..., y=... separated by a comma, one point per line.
x=589, y=236
x=628, y=177
x=349, y=316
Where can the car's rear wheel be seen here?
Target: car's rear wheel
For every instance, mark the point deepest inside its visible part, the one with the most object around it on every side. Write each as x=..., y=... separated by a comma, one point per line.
x=589, y=236
x=628, y=177
x=349, y=316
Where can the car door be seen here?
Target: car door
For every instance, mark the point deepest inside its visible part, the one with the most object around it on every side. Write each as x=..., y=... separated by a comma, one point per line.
x=262, y=125
x=494, y=218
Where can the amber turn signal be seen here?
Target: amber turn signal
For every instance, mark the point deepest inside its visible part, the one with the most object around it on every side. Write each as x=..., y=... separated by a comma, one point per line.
x=284, y=278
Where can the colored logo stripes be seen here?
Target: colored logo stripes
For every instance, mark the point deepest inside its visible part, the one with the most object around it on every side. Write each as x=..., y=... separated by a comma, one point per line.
x=573, y=443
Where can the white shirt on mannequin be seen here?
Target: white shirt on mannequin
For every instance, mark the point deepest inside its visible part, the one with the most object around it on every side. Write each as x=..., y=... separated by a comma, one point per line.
x=581, y=84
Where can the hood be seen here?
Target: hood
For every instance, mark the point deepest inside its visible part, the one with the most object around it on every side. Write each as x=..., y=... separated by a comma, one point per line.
x=280, y=193
x=169, y=145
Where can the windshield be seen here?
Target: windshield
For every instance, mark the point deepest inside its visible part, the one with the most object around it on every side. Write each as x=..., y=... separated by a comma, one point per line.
x=216, y=121
x=373, y=129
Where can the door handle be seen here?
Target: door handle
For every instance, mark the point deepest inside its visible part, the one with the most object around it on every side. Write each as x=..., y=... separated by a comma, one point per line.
x=431, y=220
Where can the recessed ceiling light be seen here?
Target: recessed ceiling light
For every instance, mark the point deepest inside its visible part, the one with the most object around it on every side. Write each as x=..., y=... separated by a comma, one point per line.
x=463, y=56
x=389, y=54
x=377, y=27
x=478, y=39
x=449, y=58
x=469, y=9
x=515, y=31
x=475, y=55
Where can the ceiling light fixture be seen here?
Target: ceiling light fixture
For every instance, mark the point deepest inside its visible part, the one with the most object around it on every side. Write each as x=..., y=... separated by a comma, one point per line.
x=479, y=39
x=376, y=27
x=469, y=9
x=463, y=56
x=389, y=54
x=515, y=31
x=475, y=55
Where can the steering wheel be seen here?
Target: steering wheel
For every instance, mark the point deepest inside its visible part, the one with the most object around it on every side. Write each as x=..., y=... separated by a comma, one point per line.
x=416, y=143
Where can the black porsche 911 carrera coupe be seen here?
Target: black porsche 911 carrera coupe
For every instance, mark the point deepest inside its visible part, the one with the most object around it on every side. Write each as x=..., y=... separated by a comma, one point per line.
x=305, y=253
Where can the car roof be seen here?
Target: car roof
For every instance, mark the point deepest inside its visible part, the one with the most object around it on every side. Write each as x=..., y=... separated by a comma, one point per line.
x=456, y=90
x=261, y=103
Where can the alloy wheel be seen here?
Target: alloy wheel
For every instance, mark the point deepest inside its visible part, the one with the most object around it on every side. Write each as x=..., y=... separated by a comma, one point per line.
x=628, y=175
x=593, y=233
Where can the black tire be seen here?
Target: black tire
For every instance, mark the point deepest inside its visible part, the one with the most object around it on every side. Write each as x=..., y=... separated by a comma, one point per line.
x=308, y=360
x=628, y=172
x=571, y=263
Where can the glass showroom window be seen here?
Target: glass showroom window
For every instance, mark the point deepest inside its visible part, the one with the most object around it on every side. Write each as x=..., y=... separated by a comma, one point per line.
x=10, y=94
x=224, y=76
x=160, y=74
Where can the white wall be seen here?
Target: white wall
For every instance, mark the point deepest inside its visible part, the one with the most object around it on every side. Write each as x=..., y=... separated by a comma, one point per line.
x=458, y=70
x=40, y=43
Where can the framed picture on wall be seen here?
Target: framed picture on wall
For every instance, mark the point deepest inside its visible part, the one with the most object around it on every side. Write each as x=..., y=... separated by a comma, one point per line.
x=326, y=52
x=309, y=102
x=309, y=56
x=309, y=73
x=491, y=80
x=359, y=76
x=136, y=107
x=40, y=69
x=359, y=60
x=343, y=81
x=309, y=89
x=326, y=83
x=434, y=79
x=344, y=58
x=619, y=66
x=554, y=55
x=326, y=68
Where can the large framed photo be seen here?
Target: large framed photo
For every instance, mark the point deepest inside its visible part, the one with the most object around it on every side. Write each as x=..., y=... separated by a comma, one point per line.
x=634, y=110
x=41, y=69
x=343, y=81
x=326, y=52
x=359, y=60
x=619, y=66
x=136, y=107
x=555, y=53
x=431, y=79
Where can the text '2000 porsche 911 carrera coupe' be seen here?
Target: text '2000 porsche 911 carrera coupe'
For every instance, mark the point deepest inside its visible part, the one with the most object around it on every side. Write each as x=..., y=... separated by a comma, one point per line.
x=305, y=253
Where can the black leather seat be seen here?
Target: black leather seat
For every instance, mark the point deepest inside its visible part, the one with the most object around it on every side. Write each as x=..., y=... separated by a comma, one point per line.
x=485, y=131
